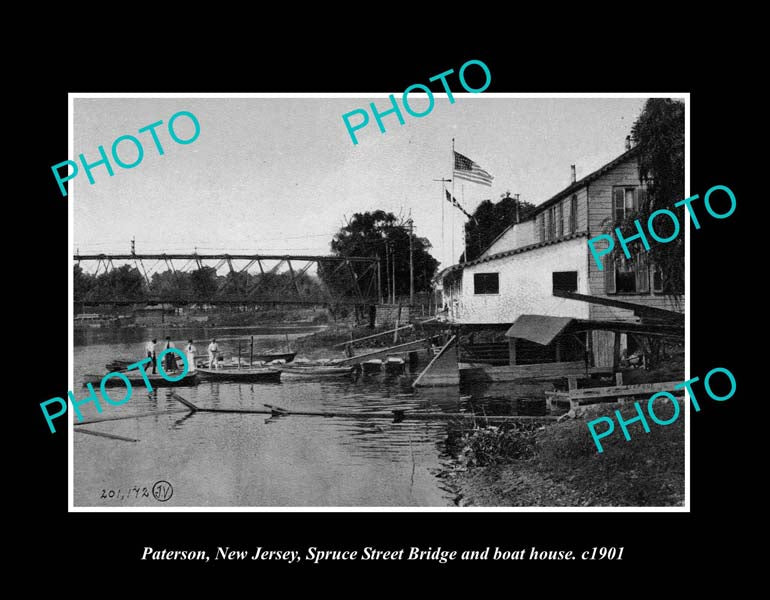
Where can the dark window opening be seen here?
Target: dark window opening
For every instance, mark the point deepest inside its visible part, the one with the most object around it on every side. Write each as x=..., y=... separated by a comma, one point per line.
x=627, y=276
x=565, y=281
x=486, y=283
x=573, y=214
x=657, y=279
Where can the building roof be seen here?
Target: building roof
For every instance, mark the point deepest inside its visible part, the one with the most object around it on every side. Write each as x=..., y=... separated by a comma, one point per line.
x=573, y=187
x=628, y=154
x=506, y=253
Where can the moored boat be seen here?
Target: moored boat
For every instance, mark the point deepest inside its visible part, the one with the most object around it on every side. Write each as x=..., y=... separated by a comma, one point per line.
x=317, y=370
x=372, y=366
x=247, y=374
x=119, y=364
x=394, y=364
x=269, y=357
x=136, y=379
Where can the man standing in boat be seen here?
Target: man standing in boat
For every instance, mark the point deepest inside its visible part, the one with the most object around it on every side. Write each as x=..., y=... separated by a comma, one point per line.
x=150, y=347
x=213, y=354
x=170, y=358
x=190, y=350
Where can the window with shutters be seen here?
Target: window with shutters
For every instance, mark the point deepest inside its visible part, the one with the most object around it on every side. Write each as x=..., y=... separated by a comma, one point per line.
x=541, y=226
x=623, y=276
x=573, y=214
x=560, y=219
x=627, y=200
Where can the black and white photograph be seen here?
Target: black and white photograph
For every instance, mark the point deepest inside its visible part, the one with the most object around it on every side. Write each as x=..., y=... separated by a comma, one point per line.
x=323, y=302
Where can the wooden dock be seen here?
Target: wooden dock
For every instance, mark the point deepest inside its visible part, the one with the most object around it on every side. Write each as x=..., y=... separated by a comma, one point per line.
x=616, y=393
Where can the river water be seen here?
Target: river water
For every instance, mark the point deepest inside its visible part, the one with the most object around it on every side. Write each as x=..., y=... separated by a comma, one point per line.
x=237, y=460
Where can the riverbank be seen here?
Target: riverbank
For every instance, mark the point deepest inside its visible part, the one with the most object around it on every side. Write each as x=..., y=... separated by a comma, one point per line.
x=558, y=465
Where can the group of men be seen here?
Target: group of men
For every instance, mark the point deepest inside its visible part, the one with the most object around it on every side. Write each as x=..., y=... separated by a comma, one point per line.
x=169, y=360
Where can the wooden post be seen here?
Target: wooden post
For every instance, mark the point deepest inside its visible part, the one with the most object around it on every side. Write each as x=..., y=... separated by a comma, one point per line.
x=572, y=382
x=618, y=378
x=616, y=351
x=398, y=318
x=239, y=354
x=251, y=352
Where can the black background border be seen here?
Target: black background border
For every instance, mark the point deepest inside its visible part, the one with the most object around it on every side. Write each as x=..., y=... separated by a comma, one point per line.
x=718, y=495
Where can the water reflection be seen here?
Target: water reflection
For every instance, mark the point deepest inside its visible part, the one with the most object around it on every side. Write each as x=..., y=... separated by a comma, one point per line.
x=264, y=460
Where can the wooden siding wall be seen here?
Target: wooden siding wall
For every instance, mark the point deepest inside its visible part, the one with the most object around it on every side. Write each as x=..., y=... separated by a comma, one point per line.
x=600, y=210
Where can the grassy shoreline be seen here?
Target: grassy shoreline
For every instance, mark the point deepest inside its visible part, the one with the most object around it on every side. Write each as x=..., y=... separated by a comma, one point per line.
x=558, y=465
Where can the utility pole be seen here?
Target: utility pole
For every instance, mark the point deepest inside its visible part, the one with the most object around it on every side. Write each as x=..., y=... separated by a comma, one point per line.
x=133, y=245
x=387, y=270
x=393, y=279
x=411, y=262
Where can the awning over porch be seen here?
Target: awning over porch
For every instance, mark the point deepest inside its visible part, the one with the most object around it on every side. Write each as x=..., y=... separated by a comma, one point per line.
x=540, y=329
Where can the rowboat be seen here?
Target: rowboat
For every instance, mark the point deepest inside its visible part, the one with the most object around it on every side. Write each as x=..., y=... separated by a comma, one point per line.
x=119, y=364
x=372, y=366
x=394, y=364
x=268, y=357
x=317, y=370
x=136, y=379
x=247, y=374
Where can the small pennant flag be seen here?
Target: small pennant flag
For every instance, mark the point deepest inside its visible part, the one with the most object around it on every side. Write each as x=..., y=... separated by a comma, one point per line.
x=466, y=169
x=456, y=204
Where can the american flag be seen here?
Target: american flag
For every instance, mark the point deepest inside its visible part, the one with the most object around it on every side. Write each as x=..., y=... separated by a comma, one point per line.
x=465, y=168
x=456, y=204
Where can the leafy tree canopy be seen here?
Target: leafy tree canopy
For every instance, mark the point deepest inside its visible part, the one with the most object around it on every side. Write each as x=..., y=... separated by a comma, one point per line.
x=490, y=219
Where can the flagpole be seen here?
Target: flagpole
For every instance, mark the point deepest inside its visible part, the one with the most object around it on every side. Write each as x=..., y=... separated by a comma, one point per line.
x=453, y=196
x=442, y=191
x=465, y=241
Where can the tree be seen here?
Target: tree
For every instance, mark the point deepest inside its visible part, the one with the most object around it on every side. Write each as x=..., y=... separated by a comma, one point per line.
x=490, y=219
x=380, y=235
x=170, y=284
x=204, y=282
x=124, y=283
x=83, y=283
x=659, y=135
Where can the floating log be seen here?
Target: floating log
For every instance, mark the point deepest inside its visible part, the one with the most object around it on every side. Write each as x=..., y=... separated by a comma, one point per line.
x=134, y=416
x=398, y=413
x=107, y=435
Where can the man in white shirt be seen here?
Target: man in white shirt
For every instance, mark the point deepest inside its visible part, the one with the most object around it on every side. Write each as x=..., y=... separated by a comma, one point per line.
x=150, y=347
x=213, y=355
x=190, y=350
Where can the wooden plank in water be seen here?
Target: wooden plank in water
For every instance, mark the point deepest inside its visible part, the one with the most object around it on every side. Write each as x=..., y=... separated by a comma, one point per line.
x=443, y=370
x=382, y=353
x=370, y=337
x=134, y=416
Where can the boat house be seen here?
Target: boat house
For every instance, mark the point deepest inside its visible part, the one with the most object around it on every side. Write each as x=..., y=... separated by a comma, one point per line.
x=539, y=283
